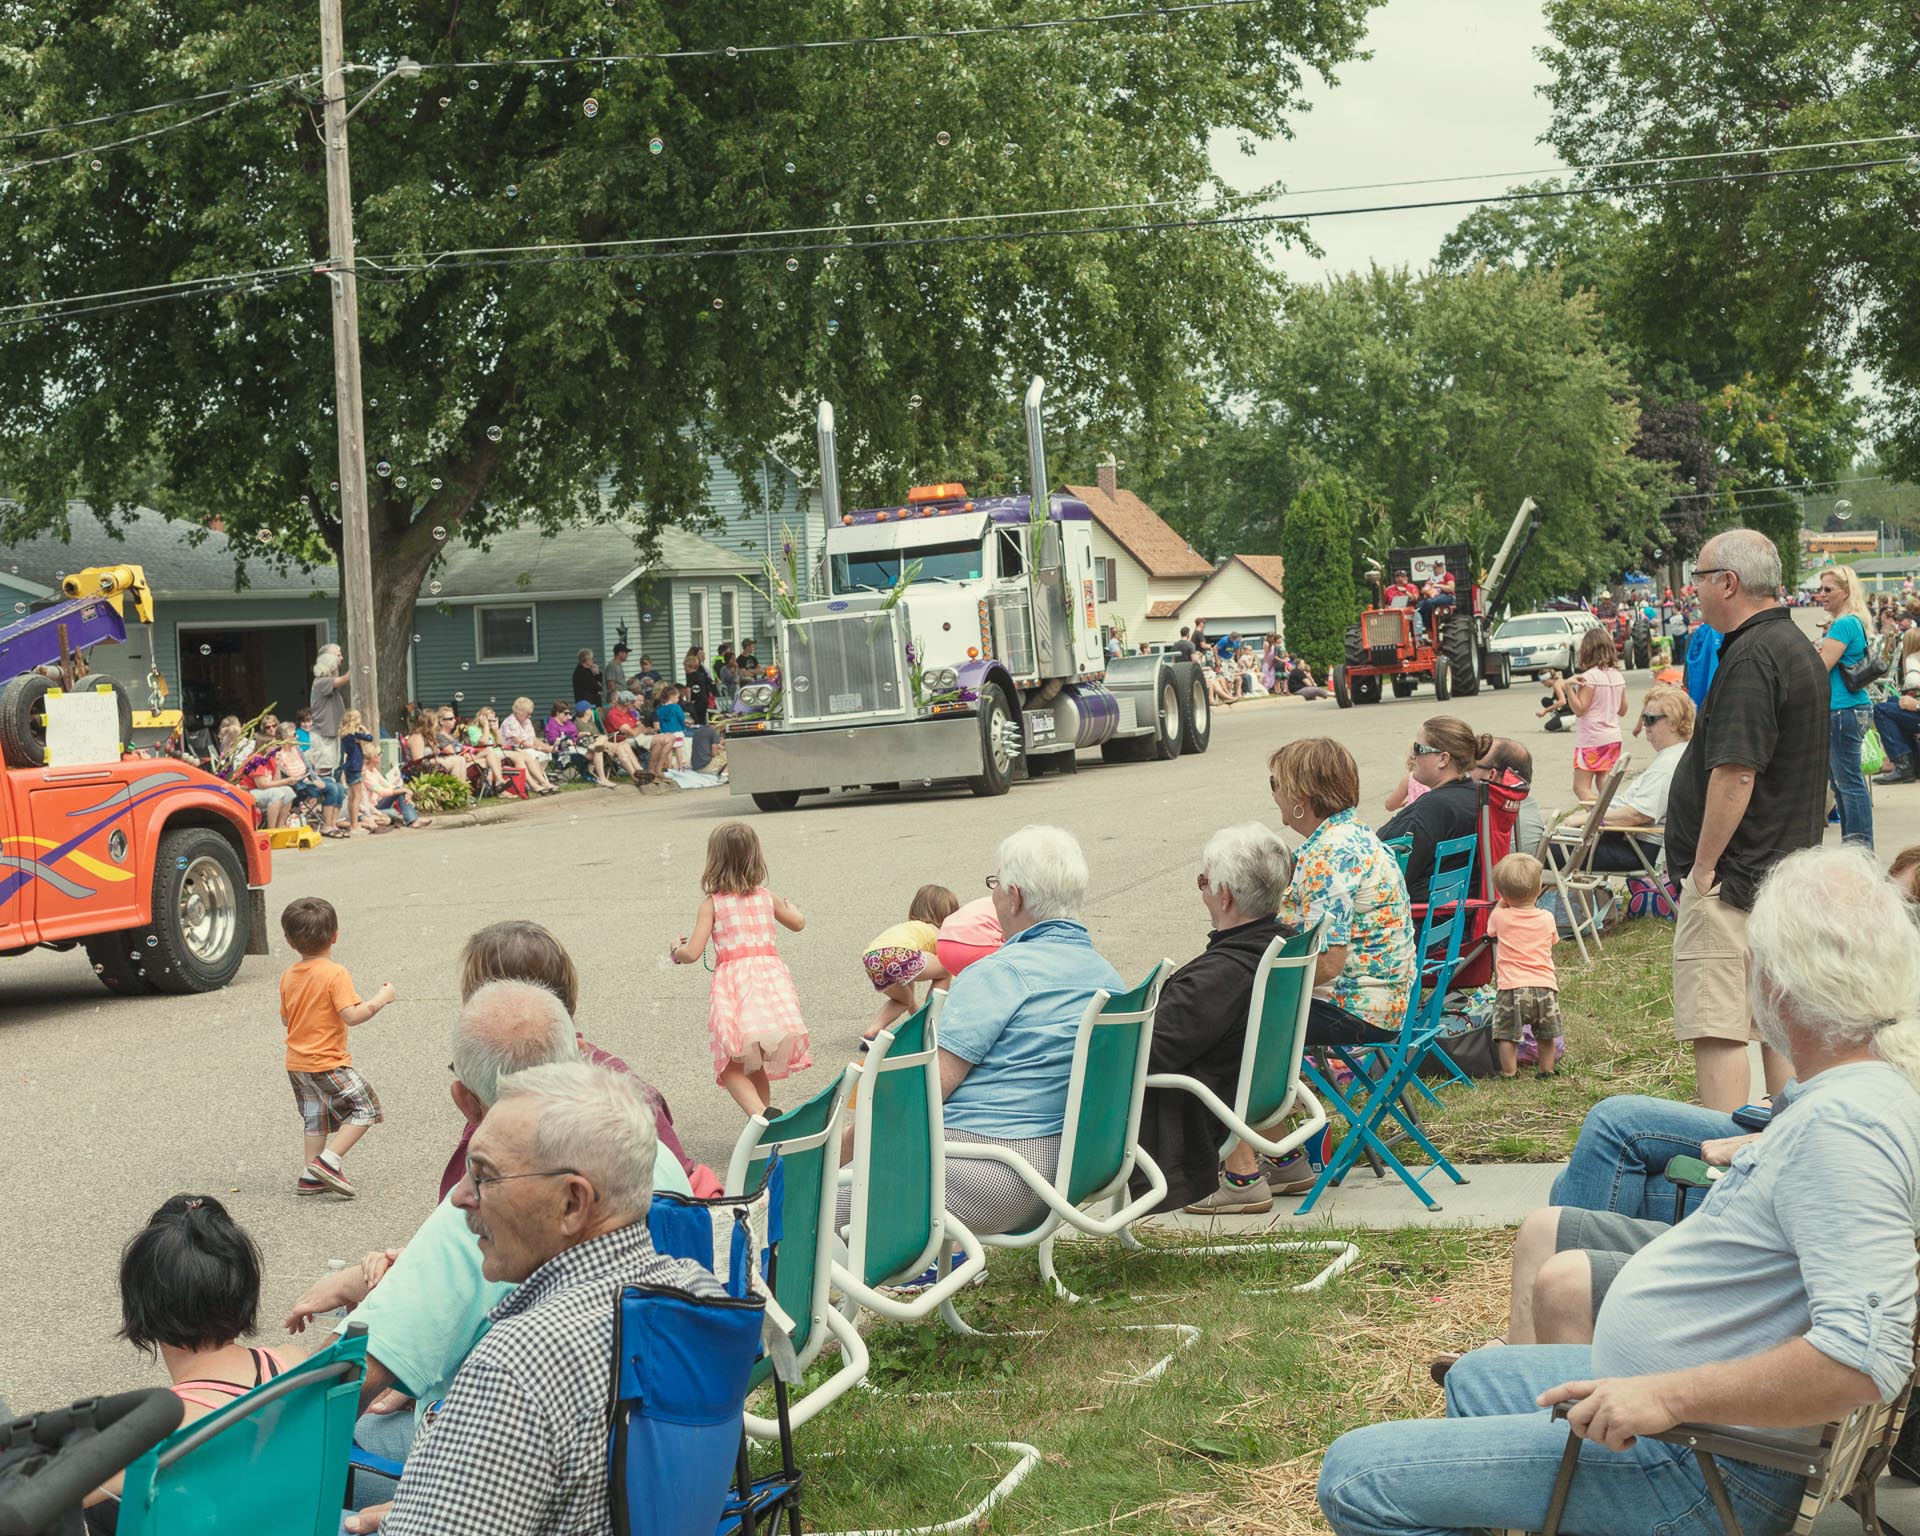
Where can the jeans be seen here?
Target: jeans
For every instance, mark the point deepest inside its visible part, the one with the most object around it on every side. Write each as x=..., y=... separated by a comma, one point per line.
x=1427, y=607
x=398, y=805
x=1899, y=729
x=328, y=791
x=385, y=1434
x=1625, y=1144
x=1492, y=1461
x=1844, y=735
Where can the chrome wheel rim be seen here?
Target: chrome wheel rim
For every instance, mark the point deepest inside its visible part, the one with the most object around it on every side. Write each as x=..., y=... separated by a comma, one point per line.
x=1169, y=711
x=1202, y=705
x=208, y=910
x=999, y=728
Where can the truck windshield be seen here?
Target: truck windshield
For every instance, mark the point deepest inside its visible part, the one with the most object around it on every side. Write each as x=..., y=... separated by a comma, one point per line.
x=876, y=570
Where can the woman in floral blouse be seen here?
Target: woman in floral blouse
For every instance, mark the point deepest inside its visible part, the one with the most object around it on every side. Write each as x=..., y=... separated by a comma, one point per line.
x=1344, y=873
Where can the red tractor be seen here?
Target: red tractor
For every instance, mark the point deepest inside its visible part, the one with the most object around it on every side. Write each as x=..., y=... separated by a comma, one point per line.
x=1451, y=647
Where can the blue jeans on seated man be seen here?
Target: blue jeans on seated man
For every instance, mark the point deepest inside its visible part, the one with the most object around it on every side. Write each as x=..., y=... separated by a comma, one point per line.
x=385, y=1434
x=1625, y=1144
x=1492, y=1461
x=1899, y=729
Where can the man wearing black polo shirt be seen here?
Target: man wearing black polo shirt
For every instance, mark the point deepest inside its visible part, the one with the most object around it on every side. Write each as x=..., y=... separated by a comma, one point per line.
x=1751, y=789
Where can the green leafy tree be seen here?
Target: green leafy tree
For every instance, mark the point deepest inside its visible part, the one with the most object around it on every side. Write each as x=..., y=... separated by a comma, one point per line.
x=1317, y=547
x=502, y=388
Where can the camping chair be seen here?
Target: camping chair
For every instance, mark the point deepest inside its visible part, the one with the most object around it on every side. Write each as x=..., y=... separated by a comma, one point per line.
x=1500, y=799
x=50, y=1462
x=897, y=1177
x=1453, y=857
x=807, y=1140
x=1401, y=848
x=1269, y=1087
x=1577, y=881
x=1099, y=1148
x=274, y=1459
x=1394, y=1063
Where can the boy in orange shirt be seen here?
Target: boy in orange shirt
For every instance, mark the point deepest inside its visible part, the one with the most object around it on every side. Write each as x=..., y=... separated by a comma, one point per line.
x=318, y=1005
x=1527, y=988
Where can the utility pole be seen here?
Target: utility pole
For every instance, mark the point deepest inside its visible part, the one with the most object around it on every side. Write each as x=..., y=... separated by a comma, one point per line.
x=356, y=556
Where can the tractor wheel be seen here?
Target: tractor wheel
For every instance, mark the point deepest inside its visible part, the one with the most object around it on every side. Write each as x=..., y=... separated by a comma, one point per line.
x=1442, y=680
x=1403, y=686
x=1500, y=670
x=1366, y=690
x=1462, y=646
x=1355, y=654
x=1341, y=695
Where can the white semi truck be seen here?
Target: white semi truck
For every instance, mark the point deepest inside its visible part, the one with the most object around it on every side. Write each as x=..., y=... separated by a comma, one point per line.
x=988, y=668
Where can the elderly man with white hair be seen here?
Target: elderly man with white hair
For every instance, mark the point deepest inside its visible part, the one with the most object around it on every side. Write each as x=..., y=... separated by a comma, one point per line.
x=1786, y=1301
x=559, y=1179
x=1008, y=1029
x=1200, y=1029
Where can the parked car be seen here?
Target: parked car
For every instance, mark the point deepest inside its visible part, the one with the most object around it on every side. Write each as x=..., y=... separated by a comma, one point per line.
x=1543, y=642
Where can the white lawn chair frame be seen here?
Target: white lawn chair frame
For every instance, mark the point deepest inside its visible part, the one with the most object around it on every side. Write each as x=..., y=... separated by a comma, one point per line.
x=825, y=1321
x=944, y=1228
x=1577, y=882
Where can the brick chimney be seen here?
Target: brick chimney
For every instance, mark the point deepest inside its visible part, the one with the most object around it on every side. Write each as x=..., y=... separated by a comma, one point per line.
x=1107, y=476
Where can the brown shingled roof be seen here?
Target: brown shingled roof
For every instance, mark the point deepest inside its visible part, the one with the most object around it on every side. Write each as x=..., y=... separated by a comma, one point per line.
x=1269, y=568
x=1142, y=532
x=1166, y=608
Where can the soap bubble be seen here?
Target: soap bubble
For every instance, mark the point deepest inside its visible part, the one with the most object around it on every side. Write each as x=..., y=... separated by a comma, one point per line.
x=590, y=107
x=732, y=52
x=433, y=587
x=719, y=303
x=466, y=666
x=473, y=85
x=458, y=697
x=656, y=145
x=793, y=263
x=790, y=167
x=1843, y=510
x=859, y=287
x=833, y=327
x=1009, y=148
x=180, y=863
x=416, y=639
x=336, y=485
x=152, y=941
x=96, y=165
x=400, y=482
x=781, y=305
x=19, y=607
x=512, y=190
x=435, y=483
x=871, y=199
x=383, y=469
x=913, y=402
x=646, y=618
x=495, y=433
x=943, y=138
x=206, y=650
x=445, y=102
x=439, y=532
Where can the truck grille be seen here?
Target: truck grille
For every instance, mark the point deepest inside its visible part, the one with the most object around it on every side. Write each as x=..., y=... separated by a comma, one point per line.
x=837, y=670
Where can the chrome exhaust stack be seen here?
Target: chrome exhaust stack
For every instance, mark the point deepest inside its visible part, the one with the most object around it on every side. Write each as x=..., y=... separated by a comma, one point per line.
x=829, y=464
x=1037, y=479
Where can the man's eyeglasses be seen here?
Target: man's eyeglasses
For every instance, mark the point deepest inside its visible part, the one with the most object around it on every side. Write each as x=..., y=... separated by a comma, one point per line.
x=481, y=1181
x=1421, y=749
x=1711, y=570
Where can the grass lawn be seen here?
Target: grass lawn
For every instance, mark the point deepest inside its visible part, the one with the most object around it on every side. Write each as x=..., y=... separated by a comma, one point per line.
x=1619, y=1020
x=1228, y=1439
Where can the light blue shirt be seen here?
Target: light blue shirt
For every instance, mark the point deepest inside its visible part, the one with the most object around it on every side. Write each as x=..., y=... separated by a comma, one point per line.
x=1809, y=1234
x=1853, y=634
x=1014, y=1015
x=432, y=1306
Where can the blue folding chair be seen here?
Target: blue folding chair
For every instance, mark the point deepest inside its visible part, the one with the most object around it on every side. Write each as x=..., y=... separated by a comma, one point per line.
x=1387, y=1070
x=1438, y=956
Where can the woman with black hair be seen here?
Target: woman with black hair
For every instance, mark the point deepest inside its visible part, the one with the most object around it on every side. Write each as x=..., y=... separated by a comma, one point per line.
x=190, y=1293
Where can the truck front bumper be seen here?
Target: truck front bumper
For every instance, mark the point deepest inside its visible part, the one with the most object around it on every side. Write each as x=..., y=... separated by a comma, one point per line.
x=848, y=757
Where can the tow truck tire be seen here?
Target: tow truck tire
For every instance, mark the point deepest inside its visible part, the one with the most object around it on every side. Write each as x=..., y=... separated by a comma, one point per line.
x=1442, y=680
x=996, y=763
x=776, y=800
x=23, y=706
x=115, y=964
x=1196, y=708
x=1342, y=694
x=201, y=916
x=1167, y=735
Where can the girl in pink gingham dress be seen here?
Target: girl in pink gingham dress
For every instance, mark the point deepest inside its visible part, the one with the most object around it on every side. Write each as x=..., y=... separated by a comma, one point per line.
x=754, y=1018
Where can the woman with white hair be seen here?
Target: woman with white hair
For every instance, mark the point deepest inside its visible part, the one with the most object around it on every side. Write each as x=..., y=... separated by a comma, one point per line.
x=1850, y=711
x=329, y=704
x=1200, y=1030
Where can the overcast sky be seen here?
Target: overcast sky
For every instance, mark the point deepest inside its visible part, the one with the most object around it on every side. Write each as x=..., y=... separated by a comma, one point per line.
x=1450, y=90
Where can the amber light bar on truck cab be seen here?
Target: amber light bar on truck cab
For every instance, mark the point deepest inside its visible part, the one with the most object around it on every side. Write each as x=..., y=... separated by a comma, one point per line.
x=947, y=490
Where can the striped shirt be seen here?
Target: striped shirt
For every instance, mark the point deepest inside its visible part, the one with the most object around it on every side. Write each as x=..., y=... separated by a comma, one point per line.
x=519, y=1448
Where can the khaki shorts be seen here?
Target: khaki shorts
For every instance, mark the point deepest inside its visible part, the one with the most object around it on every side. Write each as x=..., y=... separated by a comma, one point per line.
x=1710, y=969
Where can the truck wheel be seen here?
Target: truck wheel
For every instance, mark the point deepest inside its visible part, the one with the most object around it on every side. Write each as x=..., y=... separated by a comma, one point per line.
x=116, y=964
x=1167, y=733
x=777, y=800
x=1500, y=673
x=1000, y=738
x=1196, y=709
x=23, y=730
x=200, y=915
x=1342, y=695
x=1462, y=647
x=1442, y=680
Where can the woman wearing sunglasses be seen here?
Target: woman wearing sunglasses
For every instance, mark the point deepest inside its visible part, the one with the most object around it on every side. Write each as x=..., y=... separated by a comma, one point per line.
x=1666, y=720
x=1444, y=752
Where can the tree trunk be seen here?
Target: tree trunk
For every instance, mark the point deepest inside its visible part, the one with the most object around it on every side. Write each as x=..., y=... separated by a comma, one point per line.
x=397, y=574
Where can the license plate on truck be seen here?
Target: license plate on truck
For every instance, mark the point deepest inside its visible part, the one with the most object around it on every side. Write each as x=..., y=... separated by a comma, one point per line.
x=841, y=703
x=1040, y=727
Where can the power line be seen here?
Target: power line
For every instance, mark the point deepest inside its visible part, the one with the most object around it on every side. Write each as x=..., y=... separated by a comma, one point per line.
x=234, y=100
x=256, y=88
x=1792, y=485
x=742, y=50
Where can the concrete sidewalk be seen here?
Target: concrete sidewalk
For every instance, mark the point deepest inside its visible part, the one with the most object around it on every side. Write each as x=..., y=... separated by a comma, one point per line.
x=1495, y=1195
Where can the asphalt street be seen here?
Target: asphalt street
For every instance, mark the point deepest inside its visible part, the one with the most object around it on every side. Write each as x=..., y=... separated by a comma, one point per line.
x=109, y=1105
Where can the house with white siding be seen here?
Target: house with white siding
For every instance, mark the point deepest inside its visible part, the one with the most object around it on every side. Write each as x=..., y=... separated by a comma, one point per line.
x=1140, y=562
x=1244, y=595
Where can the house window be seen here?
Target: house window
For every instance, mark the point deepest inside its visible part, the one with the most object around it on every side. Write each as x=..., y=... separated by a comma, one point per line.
x=506, y=633
x=697, y=618
x=1109, y=581
x=729, y=618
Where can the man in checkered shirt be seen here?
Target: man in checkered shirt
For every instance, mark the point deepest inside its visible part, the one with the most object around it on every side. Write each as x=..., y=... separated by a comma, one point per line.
x=559, y=1178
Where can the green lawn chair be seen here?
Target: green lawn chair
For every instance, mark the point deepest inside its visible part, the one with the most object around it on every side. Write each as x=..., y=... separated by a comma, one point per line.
x=808, y=1140
x=273, y=1462
x=1269, y=1086
x=897, y=1178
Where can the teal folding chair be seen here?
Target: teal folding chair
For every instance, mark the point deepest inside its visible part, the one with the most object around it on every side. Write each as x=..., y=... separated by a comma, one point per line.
x=1401, y=848
x=272, y=1462
x=1387, y=1071
x=1268, y=1088
x=807, y=1138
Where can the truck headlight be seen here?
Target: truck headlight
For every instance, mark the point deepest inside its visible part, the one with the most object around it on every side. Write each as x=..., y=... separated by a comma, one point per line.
x=942, y=680
x=756, y=695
